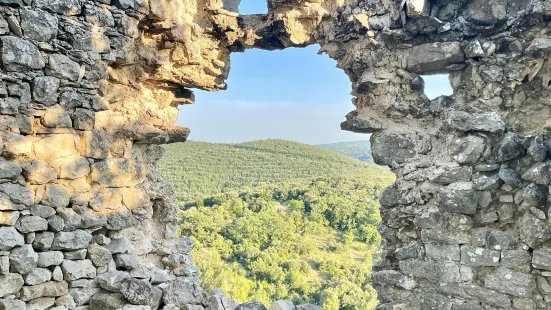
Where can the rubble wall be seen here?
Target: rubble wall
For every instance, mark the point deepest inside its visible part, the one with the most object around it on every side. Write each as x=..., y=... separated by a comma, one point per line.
x=90, y=90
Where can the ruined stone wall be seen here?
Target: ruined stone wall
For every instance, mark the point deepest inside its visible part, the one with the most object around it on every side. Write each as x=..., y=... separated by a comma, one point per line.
x=90, y=89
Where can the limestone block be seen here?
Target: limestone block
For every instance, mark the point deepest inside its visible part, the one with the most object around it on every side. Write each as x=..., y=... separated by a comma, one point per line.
x=23, y=259
x=95, y=144
x=10, y=284
x=38, y=172
x=466, y=150
x=38, y=25
x=74, y=270
x=17, y=194
x=136, y=291
x=45, y=90
x=84, y=119
x=477, y=257
x=56, y=196
x=10, y=238
x=17, y=145
x=459, y=198
x=11, y=304
x=38, y=276
x=65, y=147
x=56, y=117
x=65, y=7
x=445, y=272
x=542, y=259
x=99, y=255
x=74, y=240
x=539, y=173
x=27, y=224
x=20, y=55
x=442, y=252
x=63, y=67
x=486, y=122
x=8, y=218
x=107, y=301
x=51, y=258
x=43, y=240
x=434, y=57
x=47, y=289
x=511, y=282
x=117, y=172
x=9, y=106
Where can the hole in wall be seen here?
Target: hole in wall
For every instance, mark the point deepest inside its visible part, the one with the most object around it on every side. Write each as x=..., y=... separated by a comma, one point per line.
x=253, y=7
x=437, y=85
x=314, y=233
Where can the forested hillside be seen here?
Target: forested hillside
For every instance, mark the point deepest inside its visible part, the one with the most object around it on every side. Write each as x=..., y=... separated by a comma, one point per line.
x=199, y=168
x=310, y=241
x=275, y=219
x=360, y=150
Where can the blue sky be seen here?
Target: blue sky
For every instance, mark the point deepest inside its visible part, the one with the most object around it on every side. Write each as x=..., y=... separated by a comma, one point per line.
x=293, y=94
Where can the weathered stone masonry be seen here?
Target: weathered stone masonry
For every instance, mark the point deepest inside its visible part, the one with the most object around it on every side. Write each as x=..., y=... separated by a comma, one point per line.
x=90, y=89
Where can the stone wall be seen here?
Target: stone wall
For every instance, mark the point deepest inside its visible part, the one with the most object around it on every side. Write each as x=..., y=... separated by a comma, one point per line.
x=90, y=89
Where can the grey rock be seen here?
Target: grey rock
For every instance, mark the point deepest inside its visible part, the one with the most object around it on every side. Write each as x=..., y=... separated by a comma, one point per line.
x=51, y=258
x=9, y=106
x=510, y=176
x=509, y=148
x=71, y=219
x=10, y=238
x=112, y=280
x=9, y=170
x=42, y=211
x=308, y=307
x=107, y=301
x=65, y=7
x=10, y=284
x=38, y=25
x=445, y=272
x=477, y=257
x=486, y=13
x=56, y=223
x=486, y=181
x=434, y=57
x=533, y=230
x=459, y=198
x=27, y=224
x=84, y=119
x=389, y=277
x=74, y=270
x=99, y=255
x=63, y=67
x=395, y=147
x=447, y=175
x=253, y=305
x=183, y=292
x=75, y=240
x=539, y=173
x=485, y=122
x=537, y=149
x=126, y=261
x=47, y=289
x=136, y=291
x=41, y=303
x=541, y=259
x=43, y=241
x=12, y=304
x=66, y=301
x=532, y=194
x=518, y=260
x=119, y=246
x=442, y=252
x=20, y=55
x=45, y=90
x=83, y=295
x=75, y=255
x=466, y=150
x=18, y=194
x=23, y=259
x=38, y=276
x=282, y=305
x=511, y=282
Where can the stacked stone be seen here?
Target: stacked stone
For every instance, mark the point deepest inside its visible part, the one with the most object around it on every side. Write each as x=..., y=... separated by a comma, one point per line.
x=86, y=220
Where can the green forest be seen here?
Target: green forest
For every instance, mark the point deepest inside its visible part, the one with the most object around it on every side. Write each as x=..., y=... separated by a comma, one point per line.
x=360, y=150
x=199, y=168
x=297, y=222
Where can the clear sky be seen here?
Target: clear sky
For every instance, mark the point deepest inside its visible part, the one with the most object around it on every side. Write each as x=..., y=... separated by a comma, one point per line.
x=293, y=94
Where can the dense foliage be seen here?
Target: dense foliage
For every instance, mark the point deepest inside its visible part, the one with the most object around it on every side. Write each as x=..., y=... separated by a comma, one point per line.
x=360, y=150
x=275, y=219
x=199, y=168
x=311, y=241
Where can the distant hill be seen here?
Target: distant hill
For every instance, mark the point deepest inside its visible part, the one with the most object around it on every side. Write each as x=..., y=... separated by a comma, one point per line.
x=199, y=168
x=360, y=150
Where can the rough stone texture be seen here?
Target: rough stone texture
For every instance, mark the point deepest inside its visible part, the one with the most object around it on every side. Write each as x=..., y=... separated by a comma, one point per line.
x=93, y=88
